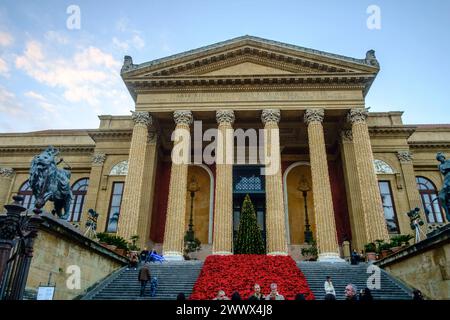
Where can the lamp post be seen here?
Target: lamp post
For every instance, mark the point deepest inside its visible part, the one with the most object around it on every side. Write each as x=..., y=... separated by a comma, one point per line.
x=303, y=187
x=192, y=188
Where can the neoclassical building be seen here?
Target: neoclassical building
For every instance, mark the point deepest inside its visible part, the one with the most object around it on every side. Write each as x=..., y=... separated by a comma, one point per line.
x=359, y=172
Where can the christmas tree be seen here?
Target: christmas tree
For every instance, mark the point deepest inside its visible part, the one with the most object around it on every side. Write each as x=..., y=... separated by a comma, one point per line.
x=249, y=239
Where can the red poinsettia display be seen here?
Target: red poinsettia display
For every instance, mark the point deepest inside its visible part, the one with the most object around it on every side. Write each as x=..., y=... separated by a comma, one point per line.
x=240, y=273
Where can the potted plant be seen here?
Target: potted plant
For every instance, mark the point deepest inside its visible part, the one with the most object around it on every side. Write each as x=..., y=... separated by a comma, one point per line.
x=385, y=249
x=103, y=238
x=311, y=252
x=405, y=240
x=395, y=244
x=371, y=251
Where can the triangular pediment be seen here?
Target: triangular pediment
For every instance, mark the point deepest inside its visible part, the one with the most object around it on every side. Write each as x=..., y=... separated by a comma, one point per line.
x=250, y=55
x=250, y=61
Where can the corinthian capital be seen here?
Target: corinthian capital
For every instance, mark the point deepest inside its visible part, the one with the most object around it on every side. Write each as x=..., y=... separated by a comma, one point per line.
x=6, y=172
x=404, y=156
x=225, y=116
x=270, y=115
x=347, y=135
x=183, y=117
x=142, y=118
x=357, y=115
x=314, y=115
x=98, y=158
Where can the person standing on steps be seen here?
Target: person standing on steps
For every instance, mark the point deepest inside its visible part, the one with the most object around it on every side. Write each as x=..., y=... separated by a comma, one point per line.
x=329, y=288
x=144, y=277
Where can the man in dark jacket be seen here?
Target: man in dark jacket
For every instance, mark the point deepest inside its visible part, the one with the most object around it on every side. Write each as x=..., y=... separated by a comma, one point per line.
x=144, y=277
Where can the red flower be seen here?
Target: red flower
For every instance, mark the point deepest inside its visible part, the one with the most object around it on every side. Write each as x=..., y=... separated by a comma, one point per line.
x=240, y=272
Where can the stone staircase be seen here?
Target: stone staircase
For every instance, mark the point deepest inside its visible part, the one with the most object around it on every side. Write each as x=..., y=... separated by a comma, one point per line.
x=173, y=278
x=344, y=273
x=176, y=277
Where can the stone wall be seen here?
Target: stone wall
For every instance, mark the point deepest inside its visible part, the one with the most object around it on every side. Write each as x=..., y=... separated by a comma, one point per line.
x=424, y=266
x=60, y=245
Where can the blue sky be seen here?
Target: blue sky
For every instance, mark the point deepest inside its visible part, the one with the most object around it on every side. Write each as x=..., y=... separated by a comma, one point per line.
x=52, y=77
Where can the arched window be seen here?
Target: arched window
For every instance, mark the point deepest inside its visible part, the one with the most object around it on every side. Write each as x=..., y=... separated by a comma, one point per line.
x=79, y=190
x=382, y=167
x=27, y=194
x=120, y=169
x=430, y=200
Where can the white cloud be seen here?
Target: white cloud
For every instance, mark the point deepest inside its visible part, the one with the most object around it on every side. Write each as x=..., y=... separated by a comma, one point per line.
x=9, y=105
x=134, y=38
x=87, y=77
x=138, y=42
x=4, y=69
x=55, y=36
x=121, y=45
x=34, y=95
x=6, y=39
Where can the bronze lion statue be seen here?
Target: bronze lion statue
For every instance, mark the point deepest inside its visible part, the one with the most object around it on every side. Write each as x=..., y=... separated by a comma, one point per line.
x=50, y=183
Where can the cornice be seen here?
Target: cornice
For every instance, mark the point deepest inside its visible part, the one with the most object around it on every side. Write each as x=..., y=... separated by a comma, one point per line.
x=252, y=82
x=429, y=144
x=392, y=131
x=37, y=149
x=116, y=134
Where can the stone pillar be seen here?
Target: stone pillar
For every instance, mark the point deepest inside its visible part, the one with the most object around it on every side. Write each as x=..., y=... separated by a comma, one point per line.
x=98, y=159
x=327, y=243
x=275, y=216
x=353, y=191
x=412, y=192
x=132, y=193
x=223, y=206
x=148, y=188
x=370, y=194
x=176, y=207
x=406, y=163
x=6, y=177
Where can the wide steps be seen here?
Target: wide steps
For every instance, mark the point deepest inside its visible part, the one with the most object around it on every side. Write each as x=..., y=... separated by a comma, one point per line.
x=344, y=273
x=173, y=278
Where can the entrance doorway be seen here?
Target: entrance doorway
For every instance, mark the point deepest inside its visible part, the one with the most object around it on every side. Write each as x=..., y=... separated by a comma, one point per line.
x=247, y=179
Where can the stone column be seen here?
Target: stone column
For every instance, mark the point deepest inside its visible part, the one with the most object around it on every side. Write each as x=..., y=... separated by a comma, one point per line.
x=359, y=235
x=176, y=207
x=148, y=189
x=98, y=159
x=223, y=206
x=132, y=193
x=370, y=193
x=406, y=163
x=327, y=243
x=6, y=177
x=275, y=216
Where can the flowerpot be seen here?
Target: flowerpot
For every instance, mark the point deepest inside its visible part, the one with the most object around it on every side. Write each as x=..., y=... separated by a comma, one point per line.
x=396, y=249
x=121, y=252
x=111, y=247
x=385, y=253
x=371, y=256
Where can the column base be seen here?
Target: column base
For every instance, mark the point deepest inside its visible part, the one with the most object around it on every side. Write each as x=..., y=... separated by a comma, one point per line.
x=222, y=253
x=277, y=253
x=173, y=256
x=330, y=257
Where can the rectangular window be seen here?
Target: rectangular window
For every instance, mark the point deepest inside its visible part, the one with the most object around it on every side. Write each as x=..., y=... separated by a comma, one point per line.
x=114, y=207
x=388, y=205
